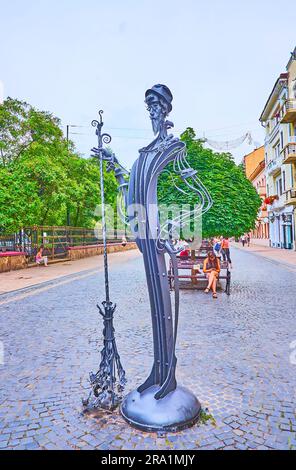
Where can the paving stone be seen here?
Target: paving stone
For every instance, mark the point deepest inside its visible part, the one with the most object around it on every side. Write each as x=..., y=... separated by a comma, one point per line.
x=229, y=442
x=238, y=432
x=239, y=446
x=239, y=381
x=251, y=445
x=32, y=446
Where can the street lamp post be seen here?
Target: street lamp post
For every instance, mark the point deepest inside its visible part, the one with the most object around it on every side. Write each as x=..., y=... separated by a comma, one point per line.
x=67, y=139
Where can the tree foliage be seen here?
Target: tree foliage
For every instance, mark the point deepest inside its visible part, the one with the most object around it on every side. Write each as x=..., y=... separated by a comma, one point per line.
x=41, y=175
x=235, y=200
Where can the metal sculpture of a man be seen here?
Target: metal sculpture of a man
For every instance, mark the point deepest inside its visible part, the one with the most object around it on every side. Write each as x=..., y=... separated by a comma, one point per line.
x=158, y=403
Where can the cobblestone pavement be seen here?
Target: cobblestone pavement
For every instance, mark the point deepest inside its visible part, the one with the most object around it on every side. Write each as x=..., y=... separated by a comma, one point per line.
x=233, y=352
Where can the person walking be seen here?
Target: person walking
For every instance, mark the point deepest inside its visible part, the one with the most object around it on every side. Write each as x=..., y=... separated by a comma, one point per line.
x=248, y=240
x=217, y=247
x=243, y=240
x=225, y=247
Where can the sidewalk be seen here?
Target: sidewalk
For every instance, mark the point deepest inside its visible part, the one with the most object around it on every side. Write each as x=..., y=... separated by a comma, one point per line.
x=20, y=279
x=287, y=257
x=260, y=242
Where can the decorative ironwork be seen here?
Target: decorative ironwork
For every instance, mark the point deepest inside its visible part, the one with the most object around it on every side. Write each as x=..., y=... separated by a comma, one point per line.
x=159, y=403
x=108, y=383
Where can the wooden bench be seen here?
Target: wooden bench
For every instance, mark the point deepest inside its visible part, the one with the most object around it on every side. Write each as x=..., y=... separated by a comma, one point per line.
x=196, y=280
x=12, y=260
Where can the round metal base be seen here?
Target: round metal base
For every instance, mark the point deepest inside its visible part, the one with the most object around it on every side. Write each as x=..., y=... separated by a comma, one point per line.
x=180, y=409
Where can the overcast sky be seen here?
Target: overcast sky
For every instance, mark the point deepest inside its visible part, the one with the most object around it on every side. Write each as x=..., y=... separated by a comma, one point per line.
x=219, y=58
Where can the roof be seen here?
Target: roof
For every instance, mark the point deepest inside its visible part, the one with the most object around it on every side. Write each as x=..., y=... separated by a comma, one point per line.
x=255, y=150
x=252, y=161
x=282, y=79
x=259, y=168
x=293, y=57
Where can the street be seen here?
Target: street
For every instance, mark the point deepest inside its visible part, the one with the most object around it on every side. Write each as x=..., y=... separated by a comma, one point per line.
x=234, y=353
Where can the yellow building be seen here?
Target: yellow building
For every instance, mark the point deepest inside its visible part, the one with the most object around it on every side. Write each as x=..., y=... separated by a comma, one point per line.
x=280, y=153
x=254, y=164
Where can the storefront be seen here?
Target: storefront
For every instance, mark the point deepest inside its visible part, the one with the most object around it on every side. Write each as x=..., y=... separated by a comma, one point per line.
x=281, y=229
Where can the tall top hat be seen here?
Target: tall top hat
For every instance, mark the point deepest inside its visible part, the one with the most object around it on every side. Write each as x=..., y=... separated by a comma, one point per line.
x=163, y=92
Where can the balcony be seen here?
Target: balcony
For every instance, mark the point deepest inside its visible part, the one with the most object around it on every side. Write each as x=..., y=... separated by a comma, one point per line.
x=289, y=151
x=278, y=203
x=261, y=190
x=288, y=111
x=274, y=166
x=290, y=197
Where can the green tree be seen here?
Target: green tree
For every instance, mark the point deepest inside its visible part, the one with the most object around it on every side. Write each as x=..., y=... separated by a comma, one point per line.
x=41, y=174
x=235, y=200
x=21, y=126
x=19, y=201
x=84, y=191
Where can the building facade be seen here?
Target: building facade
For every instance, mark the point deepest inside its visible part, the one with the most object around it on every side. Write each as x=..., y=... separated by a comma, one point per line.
x=288, y=118
x=278, y=117
x=254, y=164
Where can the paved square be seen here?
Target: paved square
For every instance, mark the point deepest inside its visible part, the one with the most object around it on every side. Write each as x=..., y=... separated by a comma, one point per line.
x=234, y=353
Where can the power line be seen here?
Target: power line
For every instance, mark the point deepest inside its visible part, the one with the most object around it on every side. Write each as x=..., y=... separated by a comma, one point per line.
x=176, y=129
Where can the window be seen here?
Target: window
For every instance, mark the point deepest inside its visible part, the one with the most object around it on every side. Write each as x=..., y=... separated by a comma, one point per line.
x=276, y=151
x=282, y=139
x=280, y=187
x=284, y=180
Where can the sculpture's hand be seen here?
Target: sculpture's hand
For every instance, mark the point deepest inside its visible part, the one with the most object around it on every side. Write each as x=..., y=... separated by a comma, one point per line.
x=106, y=155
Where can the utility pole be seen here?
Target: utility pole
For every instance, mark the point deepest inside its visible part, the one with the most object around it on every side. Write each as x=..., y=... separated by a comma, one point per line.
x=67, y=138
x=68, y=209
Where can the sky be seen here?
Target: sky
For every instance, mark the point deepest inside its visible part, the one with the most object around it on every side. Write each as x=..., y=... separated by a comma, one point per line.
x=219, y=58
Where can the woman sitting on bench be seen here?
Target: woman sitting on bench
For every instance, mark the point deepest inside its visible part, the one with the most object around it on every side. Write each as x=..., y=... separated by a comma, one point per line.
x=211, y=268
x=40, y=258
x=185, y=253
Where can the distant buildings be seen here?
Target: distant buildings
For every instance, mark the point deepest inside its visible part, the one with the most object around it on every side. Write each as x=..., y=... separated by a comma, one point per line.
x=254, y=164
x=279, y=119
